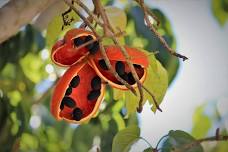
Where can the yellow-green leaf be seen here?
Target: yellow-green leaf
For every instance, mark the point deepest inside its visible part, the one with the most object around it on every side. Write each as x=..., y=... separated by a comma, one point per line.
x=33, y=67
x=125, y=138
x=220, y=10
x=54, y=30
x=156, y=81
x=117, y=18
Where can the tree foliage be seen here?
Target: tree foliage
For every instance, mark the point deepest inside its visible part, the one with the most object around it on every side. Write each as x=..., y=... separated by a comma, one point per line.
x=28, y=75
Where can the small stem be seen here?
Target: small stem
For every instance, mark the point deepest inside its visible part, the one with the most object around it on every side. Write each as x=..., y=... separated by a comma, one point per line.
x=153, y=97
x=98, y=37
x=153, y=149
x=217, y=137
x=146, y=142
x=111, y=69
x=108, y=29
x=160, y=140
x=151, y=27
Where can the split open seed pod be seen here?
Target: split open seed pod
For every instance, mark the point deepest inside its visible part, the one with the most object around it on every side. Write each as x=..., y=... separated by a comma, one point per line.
x=118, y=62
x=78, y=94
x=67, y=51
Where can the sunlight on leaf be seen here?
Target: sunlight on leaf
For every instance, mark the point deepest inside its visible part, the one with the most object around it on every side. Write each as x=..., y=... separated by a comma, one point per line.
x=15, y=97
x=54, y=30
x=28, y=142
x=117, y=18
x=33, y=67
x=220, y=10
x=202, y=123
x=125, y=138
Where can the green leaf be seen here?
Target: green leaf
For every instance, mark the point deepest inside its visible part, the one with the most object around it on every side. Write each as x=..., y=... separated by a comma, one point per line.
x=28, y=141
x=220, y=11
x=54, y=30
x=148, y=150
x=156, y=81
x=125, y=138
x=117, y=18
x=33, y=67
x=177, y=140
x=221, y=146
x=201, y=123
x=149, y=40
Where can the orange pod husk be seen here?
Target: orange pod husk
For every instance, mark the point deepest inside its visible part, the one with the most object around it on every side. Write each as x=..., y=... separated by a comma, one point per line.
x=118, y=62
x=67, y=51
x=78, y=94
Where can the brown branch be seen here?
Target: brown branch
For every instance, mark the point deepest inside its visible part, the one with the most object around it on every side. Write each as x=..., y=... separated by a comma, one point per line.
x=88, y=12
x=104, y=55
x=108, y=29
x=110, y=33
x=151, y=27
x=99, y=39
x=153, y=97
x=217, y=137
x=17, y=13
x=199, y=141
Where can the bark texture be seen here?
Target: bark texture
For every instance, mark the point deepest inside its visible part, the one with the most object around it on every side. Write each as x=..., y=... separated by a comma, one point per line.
x=17, y=13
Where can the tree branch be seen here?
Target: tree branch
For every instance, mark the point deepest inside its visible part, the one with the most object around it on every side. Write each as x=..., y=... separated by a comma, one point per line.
x=104, y=55
x=17, y=13
x=152, y=29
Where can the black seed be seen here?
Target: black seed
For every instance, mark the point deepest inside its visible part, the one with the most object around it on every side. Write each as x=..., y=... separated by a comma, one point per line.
x=131, y=79
x=93, y=47
x=94, y=94
x=137, y=66
x=75, y=81
x=123, y=76
x=77, y=114
x=96, y=83
x=120, y=68
x=78, y=41
x=88, y=38
x=102, y=64
x=69, y=102
x=61, y=105
x=68, y=91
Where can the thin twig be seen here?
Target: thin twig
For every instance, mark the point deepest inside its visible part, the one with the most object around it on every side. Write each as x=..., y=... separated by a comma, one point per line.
x=111, y=69
x=108, y=29
x=153, y=97
x=151, y=27
x=99, y=39
x=89, y=12
x=217, y=137
x=110, y=33
x=104, y=55
x=81, y=16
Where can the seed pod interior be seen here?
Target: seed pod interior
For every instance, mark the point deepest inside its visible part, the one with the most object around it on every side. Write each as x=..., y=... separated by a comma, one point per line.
x=118, y=62
x=61, y=104
x=66, y=52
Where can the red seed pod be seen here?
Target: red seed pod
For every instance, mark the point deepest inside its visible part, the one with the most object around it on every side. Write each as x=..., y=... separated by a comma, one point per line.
x=66, y=52
x=78, y=94
x=118, y=62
